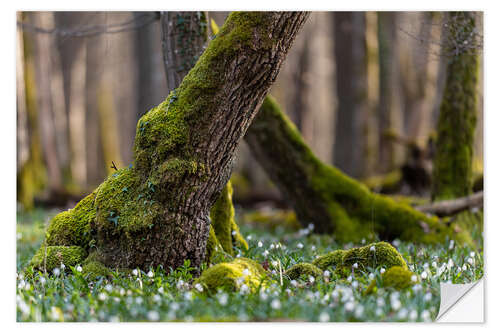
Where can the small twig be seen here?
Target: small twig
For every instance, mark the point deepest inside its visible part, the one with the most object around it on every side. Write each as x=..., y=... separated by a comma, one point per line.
x=113, y=166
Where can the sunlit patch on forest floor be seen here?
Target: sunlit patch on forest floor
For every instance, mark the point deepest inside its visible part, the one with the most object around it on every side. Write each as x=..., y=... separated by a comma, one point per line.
x=156, y=295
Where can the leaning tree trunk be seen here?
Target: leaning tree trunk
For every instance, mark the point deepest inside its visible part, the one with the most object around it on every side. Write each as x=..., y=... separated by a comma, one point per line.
x=324, y=196
x=155, y=212
x=452, y=167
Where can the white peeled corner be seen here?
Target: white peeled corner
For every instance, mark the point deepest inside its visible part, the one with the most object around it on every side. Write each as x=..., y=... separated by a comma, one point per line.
x=462, y=303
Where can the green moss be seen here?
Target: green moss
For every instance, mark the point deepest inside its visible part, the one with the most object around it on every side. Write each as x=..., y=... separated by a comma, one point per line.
x=92, y=268
x=230, y=276
x=396, y=277
x=331, y=259
x=373, y=255
x=452, y=165
x=303, y=270
x=272, y=219
x=222, y=217
x=50, y=257
x=72, y=227
x=384, y=183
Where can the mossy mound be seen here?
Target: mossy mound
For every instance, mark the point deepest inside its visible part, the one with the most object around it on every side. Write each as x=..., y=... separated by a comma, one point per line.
x=92, y=268
x=230, y=276
x=303, y=270
x=395, y=277
x=49, y=257
x=358, y=259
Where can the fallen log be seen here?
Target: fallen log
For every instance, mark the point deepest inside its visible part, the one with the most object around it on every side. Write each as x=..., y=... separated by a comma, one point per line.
x=454, y=206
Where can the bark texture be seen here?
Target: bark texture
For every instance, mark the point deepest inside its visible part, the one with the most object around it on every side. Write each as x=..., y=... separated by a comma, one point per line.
x=155, y=212
x=324, y=196
x=452, y=167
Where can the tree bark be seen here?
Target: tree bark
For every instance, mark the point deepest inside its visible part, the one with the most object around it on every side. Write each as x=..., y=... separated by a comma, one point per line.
x=324, y=196
x=156, y=211
x=352, y=89
x=452, y=165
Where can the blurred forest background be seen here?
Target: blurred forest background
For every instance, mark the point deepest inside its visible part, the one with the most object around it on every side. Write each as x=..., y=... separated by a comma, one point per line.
x=364, y=89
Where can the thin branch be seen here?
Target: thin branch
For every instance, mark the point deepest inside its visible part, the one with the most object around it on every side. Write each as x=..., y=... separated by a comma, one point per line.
x=452, y=207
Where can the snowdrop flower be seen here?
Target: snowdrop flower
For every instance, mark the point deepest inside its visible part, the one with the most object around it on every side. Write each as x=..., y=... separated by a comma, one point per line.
x=161, y=290
x=63, y=266
x=300, y=245
x=349, y=279
x=79, y=268
x=245, y=272
x=174, y=306
x=380, y=302
x=222, y=298
x=263, y=295
x=427, y=297
x=382, y=270
x=249, y=237
x=288, y=291
x=153, y=315
x=274, y=263
x=108, y=288
x=395, y=304
x=188, y=295
x=56, y=271
x=335, y=295
x=355, y=284
x=42, y=280
x=371, y=276
x=426, y=265
x=102, y=296
x=311, y=279
x=414, y=278
x=156, y=298
x=426, y=315
x=472, y=254
x=244, y=289
x=233, y=232
x=434, y=264
x=359, y=310
x=180, y=284
x=259, y=244
x=313, y=248
x=464, y=267
x=396, y=242
x=274, y=272
x=310, y=226
x=151, y=274
x=294, y=283
x=378, y=312
x=372, y=248
x=355, y=265
x=324, y=317
x=417, y=287
x=326, y=273
x=198, y=287
x=271, y=246
x=138, y=300
x=265, y=253
x=470, y=261
x=452, y=243
x=413, y=315
x=135, y=272
x=349, y=306
x=276, y=304
x=423, y=275
x=450, y=263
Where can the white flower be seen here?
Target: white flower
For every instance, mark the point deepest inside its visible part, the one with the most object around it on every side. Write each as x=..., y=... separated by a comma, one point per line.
x=470, y=261
x=259, y=244
x=300, y=245
x=403, y=313
x=138, y=300
x=324, y=317
x=222, y=298
x=198, y=287
x=434, y=264
x=63, y=266
x=245, y=272
x=413, y=315
x=417, y=287
x=233, y=232
x=79, y=268
x=349, y=278
x=310, y=226
x=56, y=271
x=108, y=288
x=450, y=263
x=153, y=315
x=326, y=273
x=180, y=284
x=244, y=289
x=396, y=242
x=395, y=304
x=380, y=302
x=135, y=272
x=427, y=297
x=413, y=278
x=426, y=265
x=188, y=295
x=294, y=283
x=42, y=280
x=263, y=295
x=274, y=263
x=355, y=265
x=382, y=270
x=271, y=246
x=276, y=304
x=379, y=312
x=472, y=254
x=161, y=290
x=464, y=267
x=249, y=237
x=265, y=253
x=311, y=279
x=423, y=275
x=313, y=248
x=151, y=274
x=355, y=284
x=371, y=276
x=102, y=296
x=349, y=306
x=452, y=243
x=372, y=248
x=156, y=298
x=426, y=315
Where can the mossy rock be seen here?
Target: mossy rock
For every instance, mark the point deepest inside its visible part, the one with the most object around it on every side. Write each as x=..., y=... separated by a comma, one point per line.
x=50, y=257
x=303, y=270
x=373, y=255
x=230, y=276
x=396, y=277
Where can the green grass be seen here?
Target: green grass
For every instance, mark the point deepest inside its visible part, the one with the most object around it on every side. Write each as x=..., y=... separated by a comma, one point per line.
x=160, y=296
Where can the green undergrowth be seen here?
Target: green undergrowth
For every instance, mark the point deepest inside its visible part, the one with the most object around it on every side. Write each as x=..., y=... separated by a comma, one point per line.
x=157, y=294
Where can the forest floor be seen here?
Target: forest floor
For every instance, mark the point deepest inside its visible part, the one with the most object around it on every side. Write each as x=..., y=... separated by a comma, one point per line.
x=159, y=296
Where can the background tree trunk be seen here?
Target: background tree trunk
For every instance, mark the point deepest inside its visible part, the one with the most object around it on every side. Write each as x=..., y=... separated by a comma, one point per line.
x=452, y=169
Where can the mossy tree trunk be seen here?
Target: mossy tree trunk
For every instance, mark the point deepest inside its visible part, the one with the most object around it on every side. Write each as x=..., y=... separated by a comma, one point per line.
x=156, y=212
x=452, y=165
x=323, y=195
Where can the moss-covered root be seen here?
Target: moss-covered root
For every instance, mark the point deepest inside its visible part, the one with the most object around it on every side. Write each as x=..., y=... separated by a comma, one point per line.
x=396, y=277
x=49, y=257
x=231, y=276
x=225, y=228
x=323, y=195
x=358, y=259
x=304, y=270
